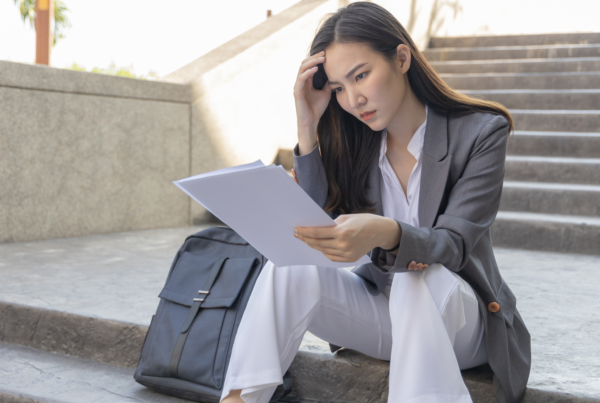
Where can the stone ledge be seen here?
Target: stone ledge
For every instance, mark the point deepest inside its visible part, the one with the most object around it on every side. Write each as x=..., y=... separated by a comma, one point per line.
x=106, y=341
x=44, y=78
x=344, y=376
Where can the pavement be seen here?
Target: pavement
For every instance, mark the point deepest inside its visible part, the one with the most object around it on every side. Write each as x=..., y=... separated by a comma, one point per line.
x=118, y=277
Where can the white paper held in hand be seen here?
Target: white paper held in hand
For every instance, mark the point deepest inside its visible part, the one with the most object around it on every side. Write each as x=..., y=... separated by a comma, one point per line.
x=264, y=204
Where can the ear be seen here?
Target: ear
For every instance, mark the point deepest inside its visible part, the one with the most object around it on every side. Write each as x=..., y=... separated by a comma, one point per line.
x=403, y=58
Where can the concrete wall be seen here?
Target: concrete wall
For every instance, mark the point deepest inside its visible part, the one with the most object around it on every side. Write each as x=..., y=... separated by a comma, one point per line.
x=83, y=153
x=243, y=107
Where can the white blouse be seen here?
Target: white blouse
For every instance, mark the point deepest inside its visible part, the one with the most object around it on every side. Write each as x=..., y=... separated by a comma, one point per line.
x=396, y=204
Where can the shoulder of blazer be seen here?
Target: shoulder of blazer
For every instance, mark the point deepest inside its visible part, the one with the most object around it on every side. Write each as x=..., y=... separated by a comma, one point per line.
x=471, y=129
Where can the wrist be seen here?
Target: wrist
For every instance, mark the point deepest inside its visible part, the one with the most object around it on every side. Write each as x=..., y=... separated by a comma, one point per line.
x=307, y=139
x=390, y=234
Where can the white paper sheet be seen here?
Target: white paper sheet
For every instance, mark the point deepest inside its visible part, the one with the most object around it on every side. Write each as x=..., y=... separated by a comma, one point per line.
x=264, y=204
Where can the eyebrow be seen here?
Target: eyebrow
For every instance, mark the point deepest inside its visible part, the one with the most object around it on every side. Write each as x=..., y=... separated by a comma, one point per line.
x=350, y=73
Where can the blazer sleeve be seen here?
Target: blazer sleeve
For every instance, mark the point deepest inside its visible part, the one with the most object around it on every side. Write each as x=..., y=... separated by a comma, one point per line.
x=472, y=206
x=310, y=174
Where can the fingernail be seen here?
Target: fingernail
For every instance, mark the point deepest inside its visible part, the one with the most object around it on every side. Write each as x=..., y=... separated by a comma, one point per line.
x=321, y=58
x=321, y=52
x=295, y=231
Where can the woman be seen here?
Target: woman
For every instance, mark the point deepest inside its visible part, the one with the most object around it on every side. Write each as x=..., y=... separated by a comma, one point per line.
x=412, y=173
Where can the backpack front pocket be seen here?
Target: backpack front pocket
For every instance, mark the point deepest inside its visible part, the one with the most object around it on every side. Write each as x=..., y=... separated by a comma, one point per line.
x=204, y=353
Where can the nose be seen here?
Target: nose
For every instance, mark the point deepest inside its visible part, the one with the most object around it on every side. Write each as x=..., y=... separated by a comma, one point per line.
x=355, y=99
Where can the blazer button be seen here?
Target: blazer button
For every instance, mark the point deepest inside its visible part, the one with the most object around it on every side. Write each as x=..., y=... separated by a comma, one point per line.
x=493, y=307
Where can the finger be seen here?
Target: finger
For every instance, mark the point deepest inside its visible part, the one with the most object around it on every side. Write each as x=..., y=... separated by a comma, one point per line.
x=305, y=233
x=331, y=251
x=420, y=266
x=331, y=244
x=311, y=61
x=336, y=258
x=299, y=88
x=411, y=265
x=334, y=252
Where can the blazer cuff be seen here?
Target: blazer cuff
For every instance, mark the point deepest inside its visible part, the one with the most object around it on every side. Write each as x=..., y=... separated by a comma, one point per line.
x=412, y=247
x=310, y=174
x=297, y=151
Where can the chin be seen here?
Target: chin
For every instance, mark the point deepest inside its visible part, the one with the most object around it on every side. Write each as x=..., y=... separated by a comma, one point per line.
x=376, y=126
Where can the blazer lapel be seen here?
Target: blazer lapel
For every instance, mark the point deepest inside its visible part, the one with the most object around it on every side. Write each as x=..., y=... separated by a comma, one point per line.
x=434, y=172
x=435, y=168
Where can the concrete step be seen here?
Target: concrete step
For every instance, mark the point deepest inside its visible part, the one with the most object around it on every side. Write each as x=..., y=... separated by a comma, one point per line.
x=552, y=169
x=99, y=292
x=30, y=375
x=554, y=144
x=579, y=64
x=530, y=81
x=512, y=52
x=556, y=120
x=534, y=143
x=45, y=376
x=551, y=198
x=547, y=232
x=514, y=40
x=541, y=99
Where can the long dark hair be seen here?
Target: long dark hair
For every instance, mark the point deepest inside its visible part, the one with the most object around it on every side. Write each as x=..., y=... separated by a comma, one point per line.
x=347, y=145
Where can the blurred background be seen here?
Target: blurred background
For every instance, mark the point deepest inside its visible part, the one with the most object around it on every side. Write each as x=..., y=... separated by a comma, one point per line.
x=132, y=95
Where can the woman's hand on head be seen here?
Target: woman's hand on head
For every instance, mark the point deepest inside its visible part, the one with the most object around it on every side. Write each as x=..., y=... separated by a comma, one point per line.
x=353, y=236
x=310, y=102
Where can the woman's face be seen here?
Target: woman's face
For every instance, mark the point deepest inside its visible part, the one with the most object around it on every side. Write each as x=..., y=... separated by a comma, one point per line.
x=365, y=83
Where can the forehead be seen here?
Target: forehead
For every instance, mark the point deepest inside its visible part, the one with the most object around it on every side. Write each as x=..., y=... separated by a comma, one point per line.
x=340, y=58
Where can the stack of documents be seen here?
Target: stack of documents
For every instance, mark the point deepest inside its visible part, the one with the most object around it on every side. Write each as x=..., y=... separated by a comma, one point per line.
x=263, y=204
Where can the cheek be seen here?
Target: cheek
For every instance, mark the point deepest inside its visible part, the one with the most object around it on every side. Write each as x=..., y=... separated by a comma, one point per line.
x=343, y=101
x=386, y=88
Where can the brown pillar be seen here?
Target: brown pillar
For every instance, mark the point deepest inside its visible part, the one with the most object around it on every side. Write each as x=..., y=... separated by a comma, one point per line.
x=44, y=35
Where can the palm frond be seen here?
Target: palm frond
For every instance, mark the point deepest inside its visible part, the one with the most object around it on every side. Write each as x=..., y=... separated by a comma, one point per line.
x=61, y=21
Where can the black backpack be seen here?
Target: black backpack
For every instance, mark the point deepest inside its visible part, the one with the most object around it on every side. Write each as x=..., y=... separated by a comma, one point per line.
x=188, y=345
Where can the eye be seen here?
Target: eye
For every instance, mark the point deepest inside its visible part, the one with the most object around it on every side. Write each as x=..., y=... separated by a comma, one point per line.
x=336, y=89
x=361, y=74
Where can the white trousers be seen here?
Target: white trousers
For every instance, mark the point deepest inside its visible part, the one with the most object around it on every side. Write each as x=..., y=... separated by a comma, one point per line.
x=429, y=328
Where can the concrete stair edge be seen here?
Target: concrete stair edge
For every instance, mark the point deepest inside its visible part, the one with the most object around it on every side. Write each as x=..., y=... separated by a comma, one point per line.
x=317, y=376
x=513, y=52
x=94, y=380
x=521, y=39
x=546, y=232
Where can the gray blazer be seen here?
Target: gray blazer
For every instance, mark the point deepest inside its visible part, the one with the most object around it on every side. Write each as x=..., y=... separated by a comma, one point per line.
x=461, y=184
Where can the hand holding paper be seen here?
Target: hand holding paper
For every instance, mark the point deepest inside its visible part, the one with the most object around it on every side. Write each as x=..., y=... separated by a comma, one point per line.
x=263, y=204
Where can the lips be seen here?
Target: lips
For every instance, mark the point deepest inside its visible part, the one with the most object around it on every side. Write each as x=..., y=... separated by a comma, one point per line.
x=367, y=115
